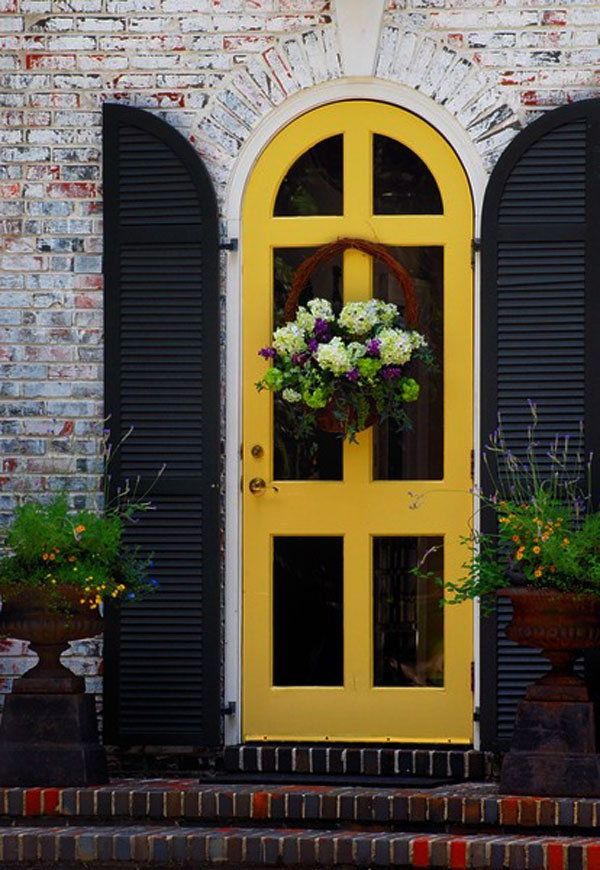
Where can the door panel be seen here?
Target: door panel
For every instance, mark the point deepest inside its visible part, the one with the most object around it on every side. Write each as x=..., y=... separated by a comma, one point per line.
x=340, y=642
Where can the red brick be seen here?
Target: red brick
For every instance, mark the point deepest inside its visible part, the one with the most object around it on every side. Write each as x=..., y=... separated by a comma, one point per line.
x=458, y=854
x=33, y=801
x=420, y=852
x=555, y=856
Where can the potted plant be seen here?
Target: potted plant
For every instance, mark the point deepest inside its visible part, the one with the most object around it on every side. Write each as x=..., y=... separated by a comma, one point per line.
x=540, y=547
x=58, y=569
x=342, y=372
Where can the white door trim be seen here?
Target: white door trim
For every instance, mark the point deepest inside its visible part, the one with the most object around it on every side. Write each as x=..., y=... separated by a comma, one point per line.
x=301, y=102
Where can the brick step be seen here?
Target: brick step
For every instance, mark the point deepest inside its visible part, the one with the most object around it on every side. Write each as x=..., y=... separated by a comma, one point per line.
x=468, y=807
x=189, y=847
x=454, y=764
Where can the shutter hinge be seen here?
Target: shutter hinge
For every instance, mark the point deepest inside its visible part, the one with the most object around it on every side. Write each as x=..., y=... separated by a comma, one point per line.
x=475, y=249
x=228, y=709
x=472, y=677
x=228, y=244
x=472, y=465
x=476, y=715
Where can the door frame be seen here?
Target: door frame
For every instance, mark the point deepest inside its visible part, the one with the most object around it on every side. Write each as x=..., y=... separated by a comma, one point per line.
x=311, y=98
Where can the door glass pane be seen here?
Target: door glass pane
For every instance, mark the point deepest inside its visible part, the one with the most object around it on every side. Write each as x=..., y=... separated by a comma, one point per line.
x=417, y=453
x=408, y=618
x=402, y=183
x=318, y=456
x=308, y=580
x=313, y=185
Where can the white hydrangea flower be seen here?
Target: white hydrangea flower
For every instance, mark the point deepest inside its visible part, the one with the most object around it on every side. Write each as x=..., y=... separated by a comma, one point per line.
x=396, y=346
x=305, y=320
x=417, y=340
x=358, y=318
x=289, y=339
x=334, y=357
x=388, y=312
x=291, y=395
x=356, y=350
x=321, y=308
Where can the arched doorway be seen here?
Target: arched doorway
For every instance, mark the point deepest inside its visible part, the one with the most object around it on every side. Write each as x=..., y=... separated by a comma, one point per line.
x=340, y=641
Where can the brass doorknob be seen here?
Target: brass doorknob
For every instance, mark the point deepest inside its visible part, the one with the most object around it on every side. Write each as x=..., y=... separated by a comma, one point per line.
x=257, y=486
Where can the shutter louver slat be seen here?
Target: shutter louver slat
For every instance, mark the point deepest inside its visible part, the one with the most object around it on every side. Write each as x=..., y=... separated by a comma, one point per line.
x=535, y=274
x=161, y=251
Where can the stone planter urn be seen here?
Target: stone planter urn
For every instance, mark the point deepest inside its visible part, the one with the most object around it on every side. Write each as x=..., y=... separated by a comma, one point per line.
x=49, y=731
x=554, y=747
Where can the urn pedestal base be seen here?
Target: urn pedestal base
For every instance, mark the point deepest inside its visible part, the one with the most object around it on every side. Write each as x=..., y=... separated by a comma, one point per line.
x=553, y=751
x=50, y=740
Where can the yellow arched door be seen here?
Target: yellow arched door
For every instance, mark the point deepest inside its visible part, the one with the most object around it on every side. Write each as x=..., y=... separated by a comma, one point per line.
x=340, y=640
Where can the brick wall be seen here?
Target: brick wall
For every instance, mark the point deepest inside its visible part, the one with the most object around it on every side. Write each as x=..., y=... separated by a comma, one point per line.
x=213, y=69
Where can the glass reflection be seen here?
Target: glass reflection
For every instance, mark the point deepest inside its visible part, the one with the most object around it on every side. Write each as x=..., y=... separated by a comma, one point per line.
x=416, y=453
x=308, y=580
x=318, y=457
x=314, y=183
x=408, y=618
x=402, y=183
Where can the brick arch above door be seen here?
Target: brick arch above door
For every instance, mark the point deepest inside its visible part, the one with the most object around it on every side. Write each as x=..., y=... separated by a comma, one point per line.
x=299, y=62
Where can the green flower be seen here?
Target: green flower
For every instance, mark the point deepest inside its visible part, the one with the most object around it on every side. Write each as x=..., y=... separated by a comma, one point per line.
x=368, y=367
x=410, y=390
x=273, y=379
x=316, y=399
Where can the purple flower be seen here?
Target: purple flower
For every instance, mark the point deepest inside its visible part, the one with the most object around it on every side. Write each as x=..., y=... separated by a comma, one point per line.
x=322, y=330
x=267, y=352
x=390, y=373
x=300, y=359
x=352, y=375
x=313, y=344
x=373, y=346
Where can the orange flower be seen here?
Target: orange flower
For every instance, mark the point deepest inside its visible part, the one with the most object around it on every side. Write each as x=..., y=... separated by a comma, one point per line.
x=537, y=550
x=71, y=558
x=52, y=556
x=79, y=529
x=538, y=572
x=45, y=557
x=516, y=539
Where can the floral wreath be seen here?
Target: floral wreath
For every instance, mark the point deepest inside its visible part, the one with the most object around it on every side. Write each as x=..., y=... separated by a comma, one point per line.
x=342, y=372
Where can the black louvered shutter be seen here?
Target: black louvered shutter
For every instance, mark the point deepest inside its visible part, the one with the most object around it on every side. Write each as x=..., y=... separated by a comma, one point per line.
x=162, y=655
x=540, y=280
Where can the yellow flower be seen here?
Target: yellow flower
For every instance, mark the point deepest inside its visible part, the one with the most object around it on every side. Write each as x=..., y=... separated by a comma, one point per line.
x=565, y=541
x=538, y=572
x=503, y=519
x=52, y=557
x=537, y=550
x=519, y=555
